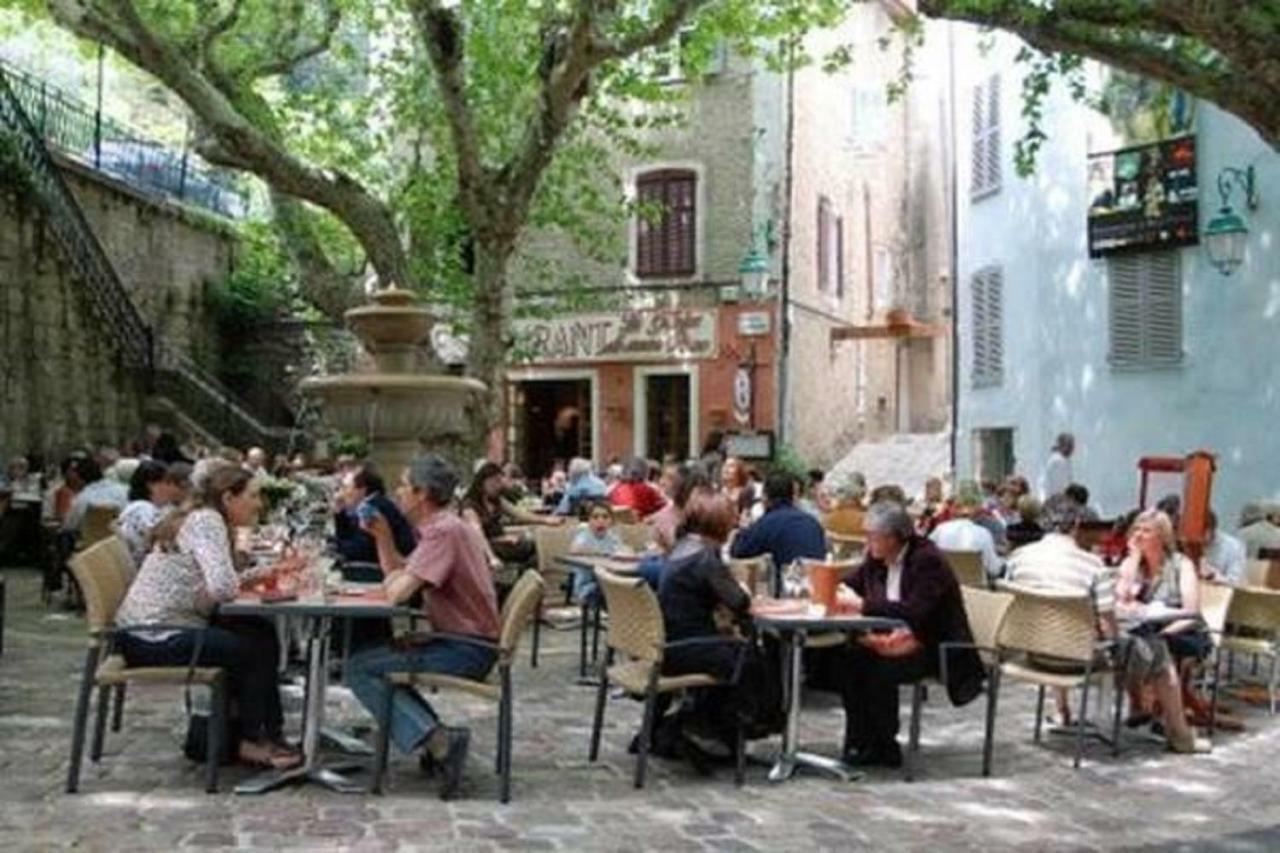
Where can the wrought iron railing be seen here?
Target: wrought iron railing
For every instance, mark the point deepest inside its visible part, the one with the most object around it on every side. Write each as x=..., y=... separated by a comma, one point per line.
x=82, y=133
x=107, y=296
x=196, y=392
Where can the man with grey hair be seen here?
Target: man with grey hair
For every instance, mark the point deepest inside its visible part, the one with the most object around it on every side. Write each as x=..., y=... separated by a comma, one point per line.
x=583, y=487
x=903, y=577
x=451, y=564
x=1257, y=529
x=1057, y=563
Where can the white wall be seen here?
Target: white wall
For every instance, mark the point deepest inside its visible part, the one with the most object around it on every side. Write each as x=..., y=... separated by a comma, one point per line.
x=1224, y=397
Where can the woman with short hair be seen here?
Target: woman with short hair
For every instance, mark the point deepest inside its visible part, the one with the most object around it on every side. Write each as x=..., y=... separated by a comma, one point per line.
x=155, y=489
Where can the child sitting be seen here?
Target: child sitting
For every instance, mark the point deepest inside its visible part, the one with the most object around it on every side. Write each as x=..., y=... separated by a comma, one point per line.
x=596, y=538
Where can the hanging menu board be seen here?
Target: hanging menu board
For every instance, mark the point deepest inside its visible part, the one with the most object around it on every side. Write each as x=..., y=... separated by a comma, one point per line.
x=1143, y=197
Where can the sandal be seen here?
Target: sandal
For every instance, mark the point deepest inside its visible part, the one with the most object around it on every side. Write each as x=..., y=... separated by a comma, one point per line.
x=269, y=756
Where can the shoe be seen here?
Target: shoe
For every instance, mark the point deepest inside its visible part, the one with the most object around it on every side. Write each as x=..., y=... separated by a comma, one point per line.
x=712, y=746
x=427, y=764
x=1191, y=746
x=1134, y=721
x=455, y=759
x=886, y=755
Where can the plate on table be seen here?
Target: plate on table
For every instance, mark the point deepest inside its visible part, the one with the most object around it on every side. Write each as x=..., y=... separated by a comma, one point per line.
x=356, y=588
x=780, y=607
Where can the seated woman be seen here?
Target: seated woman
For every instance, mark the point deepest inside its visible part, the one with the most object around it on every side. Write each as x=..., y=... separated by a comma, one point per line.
x=695, y=584
x=155, y=490
x=1027, y=529
x=361, y=492
x=485, y=509
x=596, y=537
x=846, y=513
x=904, y=577
x=636, y=492
x=449, y=564
x=180, y=583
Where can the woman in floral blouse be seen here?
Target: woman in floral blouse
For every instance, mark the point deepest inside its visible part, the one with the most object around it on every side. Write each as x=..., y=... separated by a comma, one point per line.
x=181, y=581
x=154, y=491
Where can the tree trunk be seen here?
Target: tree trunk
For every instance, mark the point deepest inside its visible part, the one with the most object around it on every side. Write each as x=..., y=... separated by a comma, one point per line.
x=491, y=317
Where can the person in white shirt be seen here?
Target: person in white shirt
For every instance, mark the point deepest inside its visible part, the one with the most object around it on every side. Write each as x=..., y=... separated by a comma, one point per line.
x=1057, y=471
x=1224, y=554
x=97, y=491
x=963, y=534
x=1257, y=529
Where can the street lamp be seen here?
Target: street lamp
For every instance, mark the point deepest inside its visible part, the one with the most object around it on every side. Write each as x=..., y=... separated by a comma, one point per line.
x=754, y=272
x=1226, y=233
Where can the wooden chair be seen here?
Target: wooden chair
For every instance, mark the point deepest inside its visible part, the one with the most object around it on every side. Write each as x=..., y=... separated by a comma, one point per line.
x=103, y=582
x=551, y=543
x=635, y=536
x=521, y=606
x=1252, y=627
x=625, y=515
x=968, y=569
x=1050, y=639
x=637, y=633
x=986, y=611
x=99, y=523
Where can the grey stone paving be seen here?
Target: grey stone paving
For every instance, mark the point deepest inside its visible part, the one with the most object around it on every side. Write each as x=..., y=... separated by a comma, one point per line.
x=145, y=796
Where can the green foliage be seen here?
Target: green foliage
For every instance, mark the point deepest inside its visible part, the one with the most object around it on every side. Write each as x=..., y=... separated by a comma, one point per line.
x=788, y=459
x=349, y=445
x=257, y=291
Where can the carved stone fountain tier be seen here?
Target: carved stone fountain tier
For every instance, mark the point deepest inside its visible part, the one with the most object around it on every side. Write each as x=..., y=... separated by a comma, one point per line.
x=398, y=410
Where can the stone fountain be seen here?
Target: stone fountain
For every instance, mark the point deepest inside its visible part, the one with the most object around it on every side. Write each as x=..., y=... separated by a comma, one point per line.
x=397, y=407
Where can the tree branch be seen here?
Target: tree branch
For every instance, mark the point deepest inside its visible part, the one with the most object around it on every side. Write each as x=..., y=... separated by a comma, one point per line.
x=660, y=32
x=233, y=138
x=287, y=61
x=221, y=26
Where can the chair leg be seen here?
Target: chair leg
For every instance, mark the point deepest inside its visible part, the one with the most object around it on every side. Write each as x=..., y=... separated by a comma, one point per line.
x=913, y=738
x=217, y=731
x=582, y=640
x=81, y=721
x=602, y=696
x=646, y=734
x=595, y=631
x=1084, y=708
x=1213, y=692
x=988, y=737
x=1275, y=678
x=117, y=709
x=1115, y=721
x=100, y=724
x=1039, y=711
x=508, y=724
x=384, y=746
x=537, y=636
x=740, y=754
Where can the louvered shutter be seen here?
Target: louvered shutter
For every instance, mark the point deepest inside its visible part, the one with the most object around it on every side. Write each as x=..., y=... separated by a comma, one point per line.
x=978, y=329
x=840, y=257
x=995, y=326
x=992, y=129
x=823, y=272
x=978, y=145
x=1145, y=302
x=667, y=245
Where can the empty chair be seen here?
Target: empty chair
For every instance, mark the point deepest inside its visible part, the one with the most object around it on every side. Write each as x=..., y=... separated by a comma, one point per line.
x=1252, y=627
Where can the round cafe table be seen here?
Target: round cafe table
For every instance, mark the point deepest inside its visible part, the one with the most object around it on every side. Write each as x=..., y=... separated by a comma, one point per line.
x=794, y=621
x=318, y=611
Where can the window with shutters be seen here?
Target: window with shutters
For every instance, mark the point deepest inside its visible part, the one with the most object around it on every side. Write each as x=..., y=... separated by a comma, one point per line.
x=987, y=290
x=666, y=228
x=830, y=250
x=985, y=174
x=1145, y=306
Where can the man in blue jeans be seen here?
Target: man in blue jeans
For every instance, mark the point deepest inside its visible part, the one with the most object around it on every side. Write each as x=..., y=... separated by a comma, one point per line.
x=450, y=564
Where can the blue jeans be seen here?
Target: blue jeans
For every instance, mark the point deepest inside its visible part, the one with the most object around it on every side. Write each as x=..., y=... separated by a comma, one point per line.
x=412, y=718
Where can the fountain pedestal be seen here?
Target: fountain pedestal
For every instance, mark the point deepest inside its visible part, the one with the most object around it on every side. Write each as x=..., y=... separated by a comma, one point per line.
x=396, y=409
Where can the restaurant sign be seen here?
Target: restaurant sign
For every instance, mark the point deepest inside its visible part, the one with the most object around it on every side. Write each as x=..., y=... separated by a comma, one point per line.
x=643, y=335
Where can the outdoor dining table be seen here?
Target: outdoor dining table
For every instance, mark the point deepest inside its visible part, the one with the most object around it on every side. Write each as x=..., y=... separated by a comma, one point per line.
x=318, y=611
x=794, y=620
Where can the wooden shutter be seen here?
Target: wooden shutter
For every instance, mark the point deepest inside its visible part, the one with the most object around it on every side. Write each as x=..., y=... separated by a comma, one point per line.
x=977, y=142
x=1145, y=304
x=987, y=327
x=992, y=150
x=666, y=245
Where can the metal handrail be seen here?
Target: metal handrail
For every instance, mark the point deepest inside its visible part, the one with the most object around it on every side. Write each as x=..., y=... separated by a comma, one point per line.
x=82, y=133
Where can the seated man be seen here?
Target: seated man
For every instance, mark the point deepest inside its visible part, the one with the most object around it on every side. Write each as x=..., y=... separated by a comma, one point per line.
x=962, y=533
x=785, y=532
x=361, y=492
x=450, y=563
x=582, y=486
x=1224, y=554
x=904, y=577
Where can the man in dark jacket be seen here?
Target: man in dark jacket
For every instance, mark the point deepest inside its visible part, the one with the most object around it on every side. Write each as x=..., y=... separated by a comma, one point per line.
x=784, y=532
x=904, y=577
x=363, y=487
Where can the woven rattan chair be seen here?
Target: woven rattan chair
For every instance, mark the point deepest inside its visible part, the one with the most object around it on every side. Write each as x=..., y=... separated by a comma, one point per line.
x=986, y=611
x=635, y=536
x=844, y=546
x=637, y=634
x=551, y=543
x=104, y=582
x=1255, y=572
x=520, y=607
x=1050, y=639
x=625, y=515
x=99, y=523
x=968, y=569
x=1252, y=627
x=1215, y=602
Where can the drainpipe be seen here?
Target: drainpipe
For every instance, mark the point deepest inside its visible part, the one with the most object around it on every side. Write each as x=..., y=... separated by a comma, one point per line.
x=784, y=300
x=955, y=249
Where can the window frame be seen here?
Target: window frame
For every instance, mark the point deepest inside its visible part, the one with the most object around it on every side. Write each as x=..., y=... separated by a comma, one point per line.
x=643, y=230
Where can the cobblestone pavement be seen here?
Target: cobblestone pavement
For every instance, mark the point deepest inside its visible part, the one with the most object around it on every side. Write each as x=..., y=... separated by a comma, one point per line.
x=145, y=796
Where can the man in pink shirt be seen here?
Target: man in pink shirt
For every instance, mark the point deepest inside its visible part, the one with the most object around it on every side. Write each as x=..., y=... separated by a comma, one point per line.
x=450, y=566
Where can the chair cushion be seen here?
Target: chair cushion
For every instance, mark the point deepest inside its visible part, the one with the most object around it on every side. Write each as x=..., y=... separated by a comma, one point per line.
x=114, y=670
x=633, y=677
x=1022, y=671
x=448, y=682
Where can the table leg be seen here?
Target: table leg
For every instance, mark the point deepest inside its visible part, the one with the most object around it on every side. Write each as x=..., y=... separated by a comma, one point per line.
x=791, y=757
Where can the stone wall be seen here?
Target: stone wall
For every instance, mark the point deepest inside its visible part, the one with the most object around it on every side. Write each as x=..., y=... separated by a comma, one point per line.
x=60, y=384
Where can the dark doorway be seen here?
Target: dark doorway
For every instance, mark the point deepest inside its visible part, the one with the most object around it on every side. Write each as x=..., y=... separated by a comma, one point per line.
x=667, y=416
x=550, y=423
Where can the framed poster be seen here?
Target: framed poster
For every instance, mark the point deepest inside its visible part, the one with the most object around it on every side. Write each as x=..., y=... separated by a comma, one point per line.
x=1144, y=197
x=749, y=445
